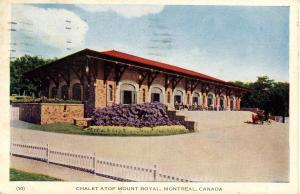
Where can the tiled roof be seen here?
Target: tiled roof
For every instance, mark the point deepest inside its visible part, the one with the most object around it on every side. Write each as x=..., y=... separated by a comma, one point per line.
x=151, y=63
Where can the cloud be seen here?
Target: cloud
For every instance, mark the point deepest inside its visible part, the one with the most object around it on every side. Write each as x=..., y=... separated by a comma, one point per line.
x=58, y=28
x=127, y=11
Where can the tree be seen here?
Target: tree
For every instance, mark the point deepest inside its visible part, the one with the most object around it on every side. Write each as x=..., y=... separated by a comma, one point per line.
x=19, y=85
x=280, y=99
x=268, y=95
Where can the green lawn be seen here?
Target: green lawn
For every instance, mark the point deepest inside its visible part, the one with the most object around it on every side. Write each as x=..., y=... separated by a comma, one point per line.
x=69, y=128
x=19, y=175
x=59, y=128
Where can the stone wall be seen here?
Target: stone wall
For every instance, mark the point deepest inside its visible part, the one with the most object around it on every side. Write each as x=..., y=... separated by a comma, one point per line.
x=46, y=113
x=30, y=112
x=190, y=125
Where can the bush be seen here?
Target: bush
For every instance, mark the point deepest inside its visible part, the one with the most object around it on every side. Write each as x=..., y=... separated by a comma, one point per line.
x=137, y=115
x=29, y=99
x=126, y=131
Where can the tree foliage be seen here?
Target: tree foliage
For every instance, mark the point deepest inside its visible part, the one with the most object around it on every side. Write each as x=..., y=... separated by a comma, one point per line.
x=19, y=85
x=268, y=95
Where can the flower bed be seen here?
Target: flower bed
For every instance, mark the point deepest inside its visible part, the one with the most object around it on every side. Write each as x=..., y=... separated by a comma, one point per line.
x=137, y=115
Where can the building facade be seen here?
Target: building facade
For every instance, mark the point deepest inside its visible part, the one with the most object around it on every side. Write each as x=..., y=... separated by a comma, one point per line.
x=101, y=79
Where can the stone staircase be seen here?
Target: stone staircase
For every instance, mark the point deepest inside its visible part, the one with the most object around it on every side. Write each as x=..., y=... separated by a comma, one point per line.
x=189, y=124
x=203, y=120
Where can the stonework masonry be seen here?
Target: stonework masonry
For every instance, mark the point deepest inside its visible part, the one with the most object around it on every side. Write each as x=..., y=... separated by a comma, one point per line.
x=46, y=113
x=100, y=79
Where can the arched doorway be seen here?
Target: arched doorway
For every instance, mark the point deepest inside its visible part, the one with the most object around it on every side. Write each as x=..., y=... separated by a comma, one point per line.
x=222, y=103
x=128, y=94
x=65, y=92
x=76, y=92
x=178, y=97
x=156, y=95
x=231, y=103
x=196, y=98
x=210, y=102
x=54, y=92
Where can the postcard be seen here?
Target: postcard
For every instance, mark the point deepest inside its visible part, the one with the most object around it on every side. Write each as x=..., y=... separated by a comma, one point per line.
x=149, y=97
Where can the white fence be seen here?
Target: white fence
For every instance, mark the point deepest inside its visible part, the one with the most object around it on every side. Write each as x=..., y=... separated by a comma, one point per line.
x=14, y=113
x=89, y=163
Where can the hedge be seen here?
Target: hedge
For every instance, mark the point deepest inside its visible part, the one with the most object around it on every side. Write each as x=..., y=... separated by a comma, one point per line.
x=135, y=131
x=28, y=99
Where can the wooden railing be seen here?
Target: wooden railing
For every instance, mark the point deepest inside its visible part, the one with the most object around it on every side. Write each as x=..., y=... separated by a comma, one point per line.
x=89, y=163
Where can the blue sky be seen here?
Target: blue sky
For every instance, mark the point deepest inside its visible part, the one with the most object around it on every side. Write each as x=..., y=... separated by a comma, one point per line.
x=228, y=42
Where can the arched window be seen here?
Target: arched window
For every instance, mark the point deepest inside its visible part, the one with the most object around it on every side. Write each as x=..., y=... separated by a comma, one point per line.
x=76, y=91
x=188, y=99
x=222, y=103
x=65, y=92
x=196, y=98
x=210, y=102
x=156, y=94
x=178, y=97
x=144, y=95
x=169, y=97
x=54, y=92
x=128, y=94
x=110, y=93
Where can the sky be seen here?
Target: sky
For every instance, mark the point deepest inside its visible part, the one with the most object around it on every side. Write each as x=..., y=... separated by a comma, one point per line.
x=228, y=42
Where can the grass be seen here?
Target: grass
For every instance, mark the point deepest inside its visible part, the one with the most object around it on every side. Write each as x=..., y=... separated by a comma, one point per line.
x=19, y=175
x=69, y=128
x=59, y=128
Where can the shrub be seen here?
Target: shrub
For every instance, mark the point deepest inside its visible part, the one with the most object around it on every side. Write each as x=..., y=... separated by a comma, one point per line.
x=126, y=131
x=28, y=99
x=137, y=115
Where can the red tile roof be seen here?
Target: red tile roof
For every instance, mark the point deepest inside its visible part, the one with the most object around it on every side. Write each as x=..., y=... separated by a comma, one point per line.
x=151, y=63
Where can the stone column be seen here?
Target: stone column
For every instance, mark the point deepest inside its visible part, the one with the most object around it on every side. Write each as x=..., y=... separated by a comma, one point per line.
x=188, y=100
x=49, y=91
x=171, y=99
x=70, y=91
x=117, y=94
x=227, y=103
x=218, y=102
x=239, y=103
x=201, y=98
x=205, y=100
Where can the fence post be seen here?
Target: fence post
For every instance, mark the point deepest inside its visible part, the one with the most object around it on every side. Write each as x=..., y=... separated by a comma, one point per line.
x=94, y=163
x=11, y=146
x=48, y=152
x=154, y=173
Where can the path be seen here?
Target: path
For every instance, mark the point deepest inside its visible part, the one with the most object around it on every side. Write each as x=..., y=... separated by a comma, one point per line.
x=64, y=173
x=239, y=152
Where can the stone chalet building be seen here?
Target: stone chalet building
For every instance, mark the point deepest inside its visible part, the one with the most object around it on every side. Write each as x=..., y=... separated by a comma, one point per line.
x=100, y=79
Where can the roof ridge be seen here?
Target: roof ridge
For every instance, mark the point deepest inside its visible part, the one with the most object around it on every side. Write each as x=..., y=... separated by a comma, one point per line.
x=160, y=63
